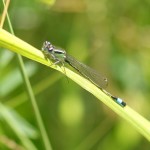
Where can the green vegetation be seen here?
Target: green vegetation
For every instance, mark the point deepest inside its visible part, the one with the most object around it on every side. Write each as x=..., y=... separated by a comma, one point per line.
x=110, y=37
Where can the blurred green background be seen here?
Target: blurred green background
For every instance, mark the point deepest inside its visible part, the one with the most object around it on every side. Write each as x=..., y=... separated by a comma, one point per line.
x=113, y=37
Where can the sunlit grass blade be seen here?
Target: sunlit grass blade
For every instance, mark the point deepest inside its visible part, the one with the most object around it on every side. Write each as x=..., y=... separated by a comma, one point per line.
x=17, y=45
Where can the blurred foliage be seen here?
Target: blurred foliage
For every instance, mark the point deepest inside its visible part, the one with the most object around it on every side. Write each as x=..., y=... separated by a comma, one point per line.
x=112, y=37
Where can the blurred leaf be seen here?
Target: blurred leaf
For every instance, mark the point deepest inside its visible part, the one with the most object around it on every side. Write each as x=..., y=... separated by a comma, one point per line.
x=9, y=78
x=21, y=128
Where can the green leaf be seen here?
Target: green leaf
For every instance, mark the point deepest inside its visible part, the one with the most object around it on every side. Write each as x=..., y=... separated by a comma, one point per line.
x=22, y=129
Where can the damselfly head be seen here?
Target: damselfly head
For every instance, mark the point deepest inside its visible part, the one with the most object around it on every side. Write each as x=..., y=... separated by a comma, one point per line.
x=47, y=47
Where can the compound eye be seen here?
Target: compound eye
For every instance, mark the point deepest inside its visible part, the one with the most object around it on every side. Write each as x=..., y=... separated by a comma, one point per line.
x=50, y=48
x=47, y=46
